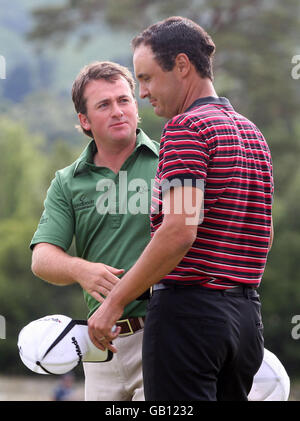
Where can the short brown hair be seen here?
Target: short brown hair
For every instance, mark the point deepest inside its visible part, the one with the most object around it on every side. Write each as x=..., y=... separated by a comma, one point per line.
x=106, y=70
x=176, y=35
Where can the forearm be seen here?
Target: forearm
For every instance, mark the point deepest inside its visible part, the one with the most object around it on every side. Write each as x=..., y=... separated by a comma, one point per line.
x=160, y=257
x=54, y=265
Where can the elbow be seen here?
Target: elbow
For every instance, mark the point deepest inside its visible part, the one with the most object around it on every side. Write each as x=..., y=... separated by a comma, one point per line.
x=34, y=266
x=271, y=236
x=181, y=238
x=35, y=262
x=188, y=239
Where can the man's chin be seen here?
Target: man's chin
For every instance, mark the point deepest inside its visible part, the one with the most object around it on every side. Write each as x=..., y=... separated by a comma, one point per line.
x=125, y=137
x=158, y=111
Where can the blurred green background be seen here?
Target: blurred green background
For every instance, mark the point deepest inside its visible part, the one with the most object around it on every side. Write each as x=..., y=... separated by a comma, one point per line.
x=45, y=43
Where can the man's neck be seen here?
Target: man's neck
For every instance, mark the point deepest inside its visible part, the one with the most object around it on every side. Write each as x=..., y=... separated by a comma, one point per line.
x=113, y=156
x=198, y=89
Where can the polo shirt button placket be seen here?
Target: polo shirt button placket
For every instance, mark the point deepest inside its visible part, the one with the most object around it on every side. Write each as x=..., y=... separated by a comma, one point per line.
x=116, y=218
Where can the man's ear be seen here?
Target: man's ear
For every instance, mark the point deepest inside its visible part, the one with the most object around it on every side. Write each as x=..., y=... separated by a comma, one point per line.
x=84, y=121
x=182, y=64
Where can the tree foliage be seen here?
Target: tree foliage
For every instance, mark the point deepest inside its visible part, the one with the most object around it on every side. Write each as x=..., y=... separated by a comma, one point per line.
x=255, y=41
x=26, y=167
x=54, y=23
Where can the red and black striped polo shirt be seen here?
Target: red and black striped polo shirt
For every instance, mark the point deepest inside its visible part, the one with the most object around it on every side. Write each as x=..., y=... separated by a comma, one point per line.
x=212, y=143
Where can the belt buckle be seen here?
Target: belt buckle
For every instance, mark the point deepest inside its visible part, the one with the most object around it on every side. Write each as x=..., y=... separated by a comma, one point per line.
x=131, y=332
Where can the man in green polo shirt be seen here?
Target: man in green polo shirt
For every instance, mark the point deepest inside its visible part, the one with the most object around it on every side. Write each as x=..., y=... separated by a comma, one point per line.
x=102, y=200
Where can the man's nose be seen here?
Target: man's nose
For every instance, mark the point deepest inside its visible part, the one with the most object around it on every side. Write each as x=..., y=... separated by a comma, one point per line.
x=143, y=91
x=117, y=111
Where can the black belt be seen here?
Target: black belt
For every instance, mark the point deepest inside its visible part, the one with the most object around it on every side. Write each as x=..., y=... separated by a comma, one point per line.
x=238, y=290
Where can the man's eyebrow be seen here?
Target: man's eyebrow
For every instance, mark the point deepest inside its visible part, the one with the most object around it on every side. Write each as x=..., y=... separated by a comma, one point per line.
x=101, y=101
x=109, y=99
x=124, y=96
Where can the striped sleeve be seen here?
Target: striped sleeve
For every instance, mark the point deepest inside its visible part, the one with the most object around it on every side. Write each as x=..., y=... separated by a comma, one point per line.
x=184, y=154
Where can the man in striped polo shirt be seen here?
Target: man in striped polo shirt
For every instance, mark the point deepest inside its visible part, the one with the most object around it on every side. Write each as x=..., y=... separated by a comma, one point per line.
x=211, y=229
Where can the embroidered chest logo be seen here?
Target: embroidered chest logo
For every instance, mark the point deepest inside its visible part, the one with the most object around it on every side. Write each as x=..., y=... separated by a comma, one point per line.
x=84, y=203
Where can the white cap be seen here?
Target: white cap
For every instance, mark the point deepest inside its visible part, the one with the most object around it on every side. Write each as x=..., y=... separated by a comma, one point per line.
x=271, y=382
x=56, y=344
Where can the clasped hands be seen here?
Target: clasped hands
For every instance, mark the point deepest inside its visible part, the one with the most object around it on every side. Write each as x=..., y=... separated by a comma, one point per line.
x=99, y=280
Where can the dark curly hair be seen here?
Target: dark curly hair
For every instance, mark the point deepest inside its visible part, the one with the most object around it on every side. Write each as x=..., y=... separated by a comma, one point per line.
x=176, y=35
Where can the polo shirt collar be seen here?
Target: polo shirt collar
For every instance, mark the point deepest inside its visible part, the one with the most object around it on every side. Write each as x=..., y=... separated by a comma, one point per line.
x=85, y=160
x=142, y=140
x=209, y=100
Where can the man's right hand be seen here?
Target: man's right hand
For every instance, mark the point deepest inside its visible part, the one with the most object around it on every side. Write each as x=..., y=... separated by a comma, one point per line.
x=97, y=278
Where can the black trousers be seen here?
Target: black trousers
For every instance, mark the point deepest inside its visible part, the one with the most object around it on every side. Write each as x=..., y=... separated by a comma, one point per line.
x=201, y=345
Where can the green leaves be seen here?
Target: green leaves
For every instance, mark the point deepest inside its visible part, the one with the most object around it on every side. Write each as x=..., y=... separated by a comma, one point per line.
x=26, y=168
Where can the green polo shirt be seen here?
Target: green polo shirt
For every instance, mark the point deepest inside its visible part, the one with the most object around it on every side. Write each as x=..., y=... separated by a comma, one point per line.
x=107, y=213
